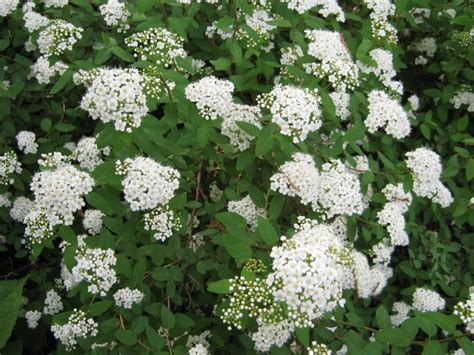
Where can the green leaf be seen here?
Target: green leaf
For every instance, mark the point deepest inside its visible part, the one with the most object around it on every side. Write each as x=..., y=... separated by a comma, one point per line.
x=167, y=318
x=426, y=324
x=470, y=170
x=64, y=127
x=303, y=335
x=248, y=128
x=221, y=63
x=221, y=286
x=126, y=336
x=434, y=348
x=237, y=247
x=62, y=82
x=232, y=221
x=244, y=160
x=98, y=308
x=394, y=336
x=100, y=202
x=156, y=341
x=10, y=302
x=46, y=124
x=265, y=142
x=123, y=54
x=266, y=231
x=382, y=317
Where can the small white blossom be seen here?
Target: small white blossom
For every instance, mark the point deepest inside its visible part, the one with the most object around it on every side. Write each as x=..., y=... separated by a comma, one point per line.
x=32, y=318
x=26, y=142
x=53, y=303
x=425, y=300
x=126, y=297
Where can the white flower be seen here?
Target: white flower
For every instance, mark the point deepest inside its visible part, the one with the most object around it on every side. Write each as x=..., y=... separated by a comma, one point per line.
x=414, y=102
x=426, y=168
x=116, y=95
x=341, y=100
x=323, y=7
x=43, y=71
x=239, y=139
x=21, y=207
x=9, y=165
x=32, y=318
x=401, y=309
x=5, y=200
x=425, y=300
x=55, y=3
x=115, y=14
x=92, y=221
x=78, y=326
x=162, y=221
x=88, y=154
x=53, y=303
x=59, y=36
x=386, y=113
x=463, y=98
x=26, y=142
x=247, y=209
x=8, y=6
x=126, y=297
x=198, y=349
x=368, y=281
x=269, y=334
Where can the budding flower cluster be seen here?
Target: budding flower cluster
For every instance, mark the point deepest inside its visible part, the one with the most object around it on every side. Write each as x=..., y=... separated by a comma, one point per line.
x=78, y=326
x=9, y=165
x=59, y=36
x=162, y=221
x=465, y=311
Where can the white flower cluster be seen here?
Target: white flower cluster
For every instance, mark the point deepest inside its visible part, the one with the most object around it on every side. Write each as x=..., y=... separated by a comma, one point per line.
x=43, y=71
x=116, y=95
x=426, y=168
x=427, y=47
x=54, y=160
x=324, y=7
x=61, y=192
x=290, y=55
x=382, y=252
x=115, y=14
x=463, y=98
x=88, y=154
x=154, y=85
x=5, y=200
x=381, y=10
x=308, y=271
x=92, y=221
x=26, y=142
x=341, y=73
x=384, y=70
x=78, y=326
x=211, y=95
x=21, y=207
x=147, y=183
x=386, y=113
x=398, y=202
x=198, y=349
x=369, y=281
x=325, y=44
x=401, y=309
x=38, y=228
x=59, y=36
x=414, y=102
x=239, y=139
x=465, y=311
x=420, y=14
x=162, y=221
x=32, y=318
x=196, y=241
x=8, y=6
x=157, y=45
x=53, y=303
x=9, y=165
x=96, y=267
x=318, y=349
x=33, y=20
x=425, y=300
x=126, y=297
x=269, y=334
x=247, y=209
x=295, y=110
x=194, y=340
x=341, y=101
x=55, y=3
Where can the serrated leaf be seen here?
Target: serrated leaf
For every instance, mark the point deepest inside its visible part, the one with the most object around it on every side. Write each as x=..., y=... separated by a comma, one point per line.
x=62, y=82
x=10, y=302
x=220, y=287
x=266, y=231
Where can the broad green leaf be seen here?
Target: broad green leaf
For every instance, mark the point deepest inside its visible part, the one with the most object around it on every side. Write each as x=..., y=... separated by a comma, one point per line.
x=10, y=302
x=126, y=336
x=221, y=286
x=267, y=231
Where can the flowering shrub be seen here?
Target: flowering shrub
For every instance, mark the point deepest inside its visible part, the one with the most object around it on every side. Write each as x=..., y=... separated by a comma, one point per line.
x=200, y=177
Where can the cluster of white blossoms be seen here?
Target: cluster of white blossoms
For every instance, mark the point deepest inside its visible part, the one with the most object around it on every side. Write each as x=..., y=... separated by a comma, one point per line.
x=324, y=7
x=289, y=55
x=401, y=310
x=116, y=95
x=414, y=102
x=426, y=169
x=147, y=183
x=384, y=70
x=61, y=192
x=269, y=334
x=335, y=190
x=32, y=318
x=88, y=154
x=53, y=303
x=425, y=300
x=211, y=95
x=318, y=349
x=381, y=10
x=154, y=85
x=78, y=326
x=240, y=139
x=308, y=272
x=26, y=142
x=33, y=20
x=59, y=36
x=198, y=349
x=463, y=98
x=127, y=297
x=201, y=339
x=95, y=266
x=115, y=14
x=43, y=71
x=5, y=200
x=55, y=3
x=325, y=44
x=21, y=207
x=162, y=221
x=8, y=6
x=9, y=165
x=54, y=160
x=215, y=193
x=157, y=45
x=386, y=113
x=92, y=221
x=247, y=209
x=398, y=202
x=369, y=281
x=341, y=101
x=465, y=311
x=38, y=229
x=427, y=47
x=295, y=110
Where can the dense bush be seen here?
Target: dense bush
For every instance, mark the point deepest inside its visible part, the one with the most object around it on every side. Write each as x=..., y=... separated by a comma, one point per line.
x=236, y=177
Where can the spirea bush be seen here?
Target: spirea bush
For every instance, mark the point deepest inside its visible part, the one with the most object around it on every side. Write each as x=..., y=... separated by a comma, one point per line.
x=220, y=177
